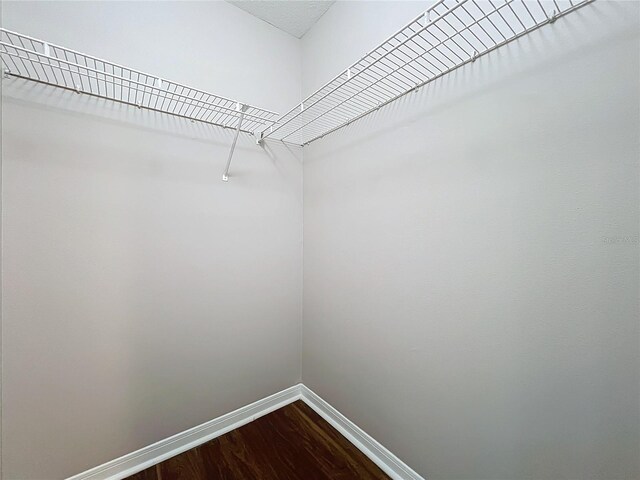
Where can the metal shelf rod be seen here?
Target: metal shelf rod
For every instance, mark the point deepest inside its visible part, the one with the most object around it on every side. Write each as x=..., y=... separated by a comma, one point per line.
x=351, y=77
x=113, y=76
x=28, y=58
x=521, y=34
x=448, y=35
x=112, y=64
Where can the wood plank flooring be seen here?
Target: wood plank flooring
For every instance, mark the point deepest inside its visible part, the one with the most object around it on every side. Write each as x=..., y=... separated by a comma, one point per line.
x=292, y=443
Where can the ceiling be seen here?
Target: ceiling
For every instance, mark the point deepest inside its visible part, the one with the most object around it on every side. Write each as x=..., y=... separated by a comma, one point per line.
x=294, y=17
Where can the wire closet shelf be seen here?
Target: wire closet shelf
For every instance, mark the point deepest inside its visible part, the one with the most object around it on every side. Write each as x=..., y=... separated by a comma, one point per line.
x=448, y=35
x=32, y=59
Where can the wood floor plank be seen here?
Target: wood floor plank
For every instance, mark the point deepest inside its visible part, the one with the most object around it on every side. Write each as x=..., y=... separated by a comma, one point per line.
x=292, y=443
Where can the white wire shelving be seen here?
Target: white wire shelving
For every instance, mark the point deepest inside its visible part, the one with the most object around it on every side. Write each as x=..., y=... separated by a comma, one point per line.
x=447, y=36
x=450, y=34
x=43, y=62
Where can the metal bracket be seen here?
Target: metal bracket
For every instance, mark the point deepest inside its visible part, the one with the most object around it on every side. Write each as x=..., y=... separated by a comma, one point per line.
x=426, y=17
x=242, y=109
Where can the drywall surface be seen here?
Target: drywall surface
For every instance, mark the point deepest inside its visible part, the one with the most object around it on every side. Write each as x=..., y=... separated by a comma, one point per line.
x=356, y=27
x=143, y=295
x=213, y=46
x=471, y=259
x=1, y=342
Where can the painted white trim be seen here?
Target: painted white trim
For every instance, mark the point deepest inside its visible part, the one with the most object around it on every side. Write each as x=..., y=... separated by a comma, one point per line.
x=146, y=457
x=387, y=461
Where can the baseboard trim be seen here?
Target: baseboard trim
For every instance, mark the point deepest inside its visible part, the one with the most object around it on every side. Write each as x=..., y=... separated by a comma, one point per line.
x=146, y=457
x=387, y=461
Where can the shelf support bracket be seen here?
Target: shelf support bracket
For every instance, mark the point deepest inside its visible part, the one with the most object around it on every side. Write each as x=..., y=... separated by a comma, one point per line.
x=242, y=109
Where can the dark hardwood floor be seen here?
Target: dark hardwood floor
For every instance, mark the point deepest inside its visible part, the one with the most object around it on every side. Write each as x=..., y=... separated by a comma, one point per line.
x=292, y=443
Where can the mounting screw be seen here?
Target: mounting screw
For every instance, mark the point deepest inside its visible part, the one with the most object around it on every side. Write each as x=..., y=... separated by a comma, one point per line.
x=7, y=73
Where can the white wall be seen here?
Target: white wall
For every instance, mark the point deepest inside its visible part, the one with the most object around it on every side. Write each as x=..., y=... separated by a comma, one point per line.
x=1, y=340
x=346, y=32
x=469, y=298
x=213, y=46
x=143, y=295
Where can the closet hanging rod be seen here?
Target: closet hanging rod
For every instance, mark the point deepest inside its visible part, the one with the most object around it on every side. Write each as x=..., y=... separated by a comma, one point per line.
x=36, y=60
x=450, y=34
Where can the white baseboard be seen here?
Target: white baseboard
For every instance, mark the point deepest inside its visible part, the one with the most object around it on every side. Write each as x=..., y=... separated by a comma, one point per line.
x=146, y=457
x=387, y=461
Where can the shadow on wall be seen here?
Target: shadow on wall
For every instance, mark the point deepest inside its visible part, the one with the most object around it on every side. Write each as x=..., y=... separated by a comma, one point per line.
x=50, y=98
x=137, y=276
x=105, y=113
x=490, y=72
x=454, y=239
